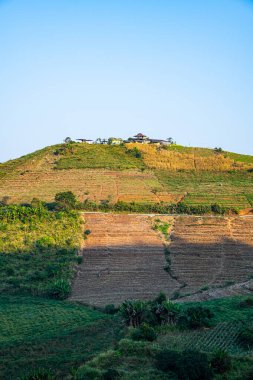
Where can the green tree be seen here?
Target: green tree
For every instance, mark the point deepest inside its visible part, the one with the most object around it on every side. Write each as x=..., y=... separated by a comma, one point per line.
x=65, y=200
x=133, y=312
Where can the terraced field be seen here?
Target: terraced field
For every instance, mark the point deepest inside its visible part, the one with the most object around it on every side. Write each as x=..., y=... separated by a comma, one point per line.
x=125, y=258
x=134, y=172
x=93, y=184
x=212, y=251
x=177, y=157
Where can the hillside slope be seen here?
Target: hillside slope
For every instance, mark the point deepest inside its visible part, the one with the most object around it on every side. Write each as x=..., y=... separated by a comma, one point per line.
x=134, y=172
x=124, y=257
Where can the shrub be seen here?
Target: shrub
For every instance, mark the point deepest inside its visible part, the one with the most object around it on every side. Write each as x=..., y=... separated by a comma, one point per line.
x=144, y=332
x=190, y=365
x=248, y=302
x=133, y=312
x=44, y=243
x=111, y=374
x=65, y=200
x=79, y=259
x=194, y=365
x=221, y=361
x=39, y=374
x=167, y=360
x=135, y=152
x=88, y=373
x=111, y=309
x=246, y=337
x=196, y=317
x=60, y=289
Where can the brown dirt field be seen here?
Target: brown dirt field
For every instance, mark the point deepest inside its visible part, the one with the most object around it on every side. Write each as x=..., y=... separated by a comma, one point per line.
x=211, y=251
x=242, y=288
x=95, y=184
x=123, y=257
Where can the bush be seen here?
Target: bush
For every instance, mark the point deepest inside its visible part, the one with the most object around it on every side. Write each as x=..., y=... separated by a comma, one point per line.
x=221, y=361
x=194, y=365
x=60, y=289
x=248, y=302
x=167, y=360
x=44, y=243
x=246, y=337
x=190, y=365
x=111, y=374
x=144, y=332
x=217, y=209
x=196, y=317
x=39, y=374
x=111, y=309
x=65, y=200
x=134, y=312
x=88, y=373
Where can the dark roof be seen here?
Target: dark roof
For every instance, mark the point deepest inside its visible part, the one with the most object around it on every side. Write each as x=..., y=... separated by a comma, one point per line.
x=84, y=140
x=140, y=135
x=157, y=140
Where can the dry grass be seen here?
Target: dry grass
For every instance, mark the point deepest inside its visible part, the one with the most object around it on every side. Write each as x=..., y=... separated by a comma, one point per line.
x=196, y=159
x=173, y=174
x=85, y=183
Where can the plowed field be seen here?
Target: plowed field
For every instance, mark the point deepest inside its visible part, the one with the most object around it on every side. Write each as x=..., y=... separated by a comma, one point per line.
x=124, y=258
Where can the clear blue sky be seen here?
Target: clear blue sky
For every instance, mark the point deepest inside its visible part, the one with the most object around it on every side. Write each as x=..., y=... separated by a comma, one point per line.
x=101, y=68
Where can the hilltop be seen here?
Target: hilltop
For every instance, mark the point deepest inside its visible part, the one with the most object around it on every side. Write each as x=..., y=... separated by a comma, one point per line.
x=131, y=172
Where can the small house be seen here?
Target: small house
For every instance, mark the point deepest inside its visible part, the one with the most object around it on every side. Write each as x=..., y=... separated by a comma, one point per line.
x=115, y=141
x=140, y=138
x=85, y=141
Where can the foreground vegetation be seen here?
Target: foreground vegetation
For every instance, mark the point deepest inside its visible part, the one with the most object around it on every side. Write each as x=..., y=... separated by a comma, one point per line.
x=38, y=250
x=49, y=339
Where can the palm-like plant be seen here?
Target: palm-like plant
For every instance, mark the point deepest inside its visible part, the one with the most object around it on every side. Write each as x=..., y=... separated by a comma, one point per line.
x=133, y=312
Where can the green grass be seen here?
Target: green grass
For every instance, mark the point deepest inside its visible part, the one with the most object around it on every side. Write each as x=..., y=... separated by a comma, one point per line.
x=9, y=168
x=205, y=188
x=240, y=157
x=84, y=156
x=137, y=359
x=228, y=188
x=250, y=198
x=38, y=253
x=228, y=319
x=39, y=333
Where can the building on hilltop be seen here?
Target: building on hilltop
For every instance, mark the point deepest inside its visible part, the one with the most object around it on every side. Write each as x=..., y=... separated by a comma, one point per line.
x=115, y=141
x=85, y=141
x=159, y=142
x=140, y=138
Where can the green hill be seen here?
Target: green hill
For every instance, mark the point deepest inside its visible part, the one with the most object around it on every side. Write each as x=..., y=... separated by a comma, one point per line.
x=142, y=173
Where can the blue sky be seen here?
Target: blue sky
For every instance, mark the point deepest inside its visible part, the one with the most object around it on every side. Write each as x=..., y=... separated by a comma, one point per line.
x=101, y=68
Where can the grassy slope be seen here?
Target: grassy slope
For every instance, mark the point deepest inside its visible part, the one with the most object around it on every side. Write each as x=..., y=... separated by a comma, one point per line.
x=136, y=359
x=98, y=172
x=83, y=156
x=228, y=189
x=56, y=335
x=38, y=251
x=50, y=335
